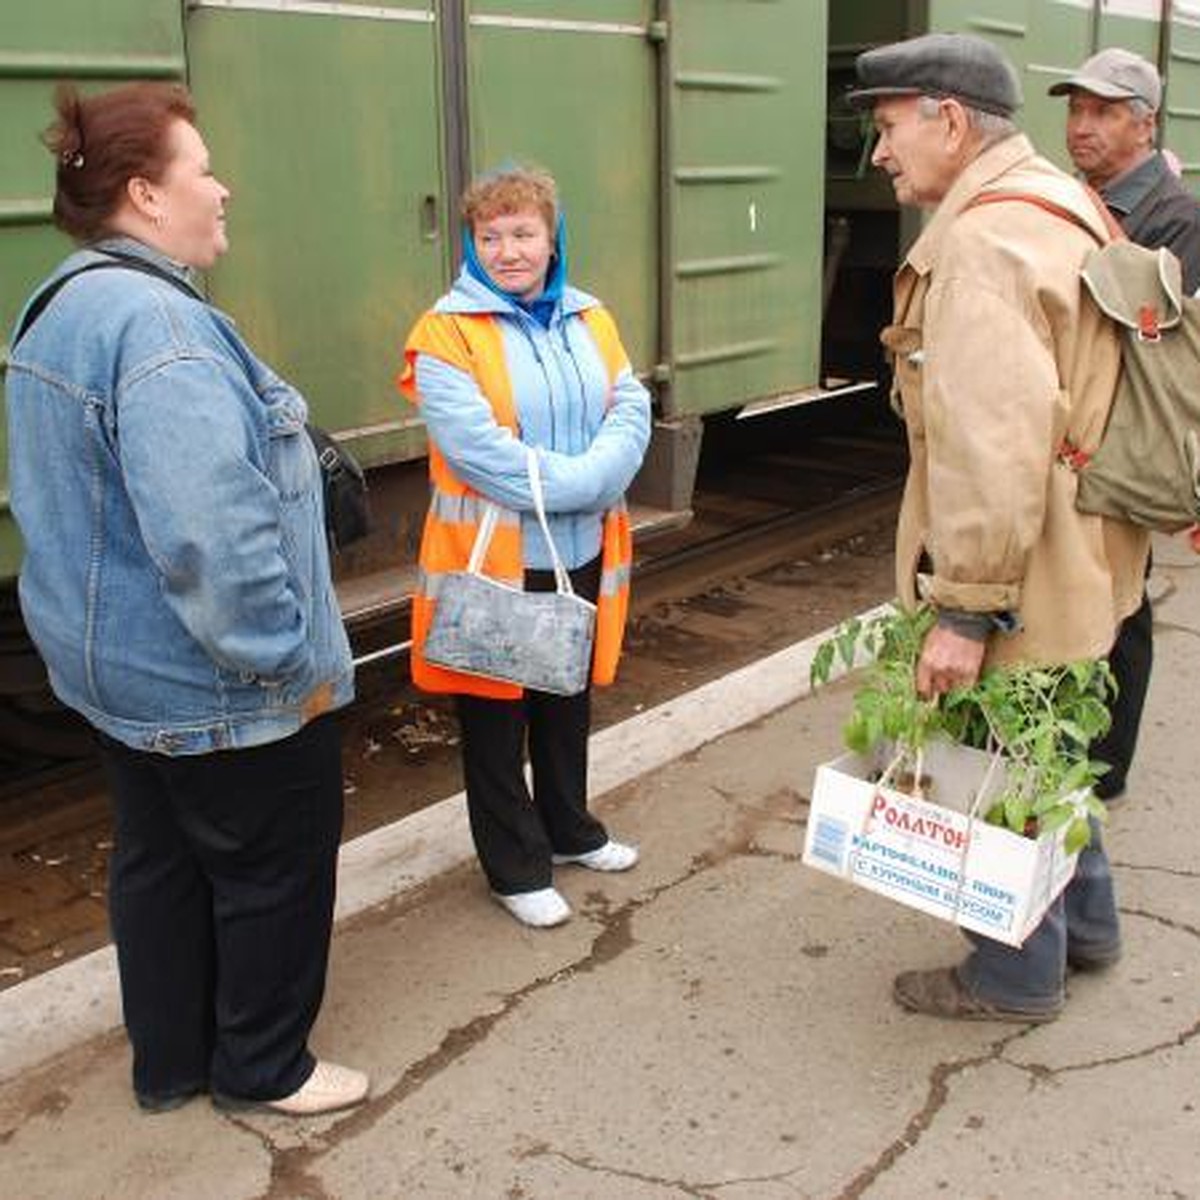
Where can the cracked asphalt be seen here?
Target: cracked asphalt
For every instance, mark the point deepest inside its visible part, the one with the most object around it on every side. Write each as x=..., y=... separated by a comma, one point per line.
x=716, y=1023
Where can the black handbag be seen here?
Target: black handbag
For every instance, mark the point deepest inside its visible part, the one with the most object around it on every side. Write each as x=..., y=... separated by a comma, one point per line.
x=343, y=488
x=343, y=483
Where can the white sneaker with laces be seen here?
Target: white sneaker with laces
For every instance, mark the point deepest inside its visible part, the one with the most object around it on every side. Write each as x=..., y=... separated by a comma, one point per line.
x=612, y=856
x=541, y=909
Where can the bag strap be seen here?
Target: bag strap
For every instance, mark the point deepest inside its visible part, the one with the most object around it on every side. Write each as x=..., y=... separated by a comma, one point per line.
x=1115, y=232
x=487, y=526
x=561, y=578
x=113, y=260
x=1068, y=453
x=483, y=538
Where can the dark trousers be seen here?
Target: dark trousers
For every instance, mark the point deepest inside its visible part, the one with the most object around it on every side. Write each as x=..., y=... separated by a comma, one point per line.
x=1131, y=658
x=515, y=831
x=221, y=890
x=1082, y=921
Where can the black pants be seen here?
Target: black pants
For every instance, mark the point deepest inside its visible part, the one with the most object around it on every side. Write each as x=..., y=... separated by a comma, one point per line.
x=515, y=832
x=221, y=891
x=1131, y=658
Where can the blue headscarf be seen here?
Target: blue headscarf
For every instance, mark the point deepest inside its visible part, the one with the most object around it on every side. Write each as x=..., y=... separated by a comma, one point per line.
x=541, y=308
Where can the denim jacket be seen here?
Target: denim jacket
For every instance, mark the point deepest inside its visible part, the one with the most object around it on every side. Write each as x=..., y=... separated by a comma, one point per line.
x=176, y=576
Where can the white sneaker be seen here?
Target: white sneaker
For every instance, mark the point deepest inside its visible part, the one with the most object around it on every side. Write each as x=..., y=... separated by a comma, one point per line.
x=329, y=1088
x=612, y=856
x=542, y=908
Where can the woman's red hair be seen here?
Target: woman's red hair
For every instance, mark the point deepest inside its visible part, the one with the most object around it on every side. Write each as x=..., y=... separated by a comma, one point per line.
x=101, y=142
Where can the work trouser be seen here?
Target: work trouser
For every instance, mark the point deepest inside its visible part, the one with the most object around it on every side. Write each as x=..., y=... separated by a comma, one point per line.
x=516, y=831
x=1081, y=924
x=221, y=891
x=1131, y=659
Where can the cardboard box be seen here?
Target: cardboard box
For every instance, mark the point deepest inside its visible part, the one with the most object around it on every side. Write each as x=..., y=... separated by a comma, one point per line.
x=934, y=856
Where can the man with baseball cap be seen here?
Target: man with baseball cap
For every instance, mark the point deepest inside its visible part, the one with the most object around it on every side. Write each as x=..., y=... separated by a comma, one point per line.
x=996, y=360
x=1112, y=103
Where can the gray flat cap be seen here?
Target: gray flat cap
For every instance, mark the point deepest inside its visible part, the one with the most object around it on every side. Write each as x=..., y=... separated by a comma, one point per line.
x=968, y=68
x=1115, y=74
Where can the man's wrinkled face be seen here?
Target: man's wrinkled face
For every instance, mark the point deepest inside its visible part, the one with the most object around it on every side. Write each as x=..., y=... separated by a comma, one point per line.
x=914, y=147
x=1104, y=137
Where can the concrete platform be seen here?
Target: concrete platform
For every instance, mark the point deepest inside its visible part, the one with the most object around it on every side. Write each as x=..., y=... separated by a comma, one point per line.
x=716, y=1023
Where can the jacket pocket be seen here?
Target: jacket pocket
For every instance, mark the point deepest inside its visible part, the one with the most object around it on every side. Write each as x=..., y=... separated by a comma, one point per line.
x=292, y=462
x=297, y=476
x=906, y=351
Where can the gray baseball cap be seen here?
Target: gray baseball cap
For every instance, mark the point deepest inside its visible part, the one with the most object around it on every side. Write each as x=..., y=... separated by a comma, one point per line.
x=961, y=65
x=1115, y=74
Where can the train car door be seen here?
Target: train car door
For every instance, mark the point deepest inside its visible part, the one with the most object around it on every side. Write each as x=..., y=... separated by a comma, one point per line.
x=745, y=112
x=323, y=118
x=570, y=84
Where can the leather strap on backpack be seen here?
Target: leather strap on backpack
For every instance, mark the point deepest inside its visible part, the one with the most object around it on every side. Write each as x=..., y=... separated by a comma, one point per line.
x=1115, y=232
x=1075, y=457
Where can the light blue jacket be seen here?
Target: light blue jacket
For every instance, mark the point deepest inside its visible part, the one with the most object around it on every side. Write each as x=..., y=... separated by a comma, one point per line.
x=589, y=444
x=176, y=577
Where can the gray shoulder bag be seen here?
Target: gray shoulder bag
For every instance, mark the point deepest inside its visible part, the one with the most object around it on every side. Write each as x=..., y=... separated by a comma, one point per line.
x=540, y=640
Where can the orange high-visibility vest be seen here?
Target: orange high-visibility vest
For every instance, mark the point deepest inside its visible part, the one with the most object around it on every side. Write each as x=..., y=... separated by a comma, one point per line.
x=474, y=344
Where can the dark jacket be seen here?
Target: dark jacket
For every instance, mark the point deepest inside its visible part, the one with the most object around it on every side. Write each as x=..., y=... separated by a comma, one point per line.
x=1155, y=209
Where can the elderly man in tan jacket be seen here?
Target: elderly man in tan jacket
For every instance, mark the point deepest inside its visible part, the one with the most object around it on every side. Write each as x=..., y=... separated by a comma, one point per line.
x=998, y=364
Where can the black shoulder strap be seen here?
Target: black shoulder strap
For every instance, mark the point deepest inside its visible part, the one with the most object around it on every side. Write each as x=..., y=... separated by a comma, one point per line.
x=127, y=262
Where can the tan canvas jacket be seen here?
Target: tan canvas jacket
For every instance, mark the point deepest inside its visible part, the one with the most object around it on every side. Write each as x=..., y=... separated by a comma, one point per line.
x=997, y=357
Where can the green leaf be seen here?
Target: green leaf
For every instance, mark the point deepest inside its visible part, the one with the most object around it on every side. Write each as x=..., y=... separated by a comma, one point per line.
x=1074, y=731
x=875, y=733
x=848, y=640
x=822, y=663
x=1078, y=835
x=855, y=734
x=1055, y=818
x=1017, y=811
x=1079, y=776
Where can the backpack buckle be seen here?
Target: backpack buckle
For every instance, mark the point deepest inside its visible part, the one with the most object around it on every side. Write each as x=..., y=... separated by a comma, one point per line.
x=1148, y=324
x=1073, y=456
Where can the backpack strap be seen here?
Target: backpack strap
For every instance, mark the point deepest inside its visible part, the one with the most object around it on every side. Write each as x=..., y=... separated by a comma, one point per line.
x=1071, y=455
x=1115, y=232
x=128, y=262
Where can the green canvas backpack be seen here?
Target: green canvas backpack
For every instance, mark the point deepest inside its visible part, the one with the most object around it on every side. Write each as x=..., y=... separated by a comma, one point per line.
x=1147, y=467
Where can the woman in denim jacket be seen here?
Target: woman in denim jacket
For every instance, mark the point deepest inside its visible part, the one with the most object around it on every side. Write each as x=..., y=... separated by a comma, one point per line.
x=176, y=582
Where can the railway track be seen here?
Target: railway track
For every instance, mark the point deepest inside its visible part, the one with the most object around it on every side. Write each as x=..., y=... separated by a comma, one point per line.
x=789, y=505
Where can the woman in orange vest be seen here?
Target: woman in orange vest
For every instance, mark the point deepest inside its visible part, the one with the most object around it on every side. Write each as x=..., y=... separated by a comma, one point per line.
x=514, y=358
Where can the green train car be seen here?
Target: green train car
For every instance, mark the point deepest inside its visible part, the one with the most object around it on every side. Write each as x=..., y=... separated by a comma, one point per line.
x=717, y=189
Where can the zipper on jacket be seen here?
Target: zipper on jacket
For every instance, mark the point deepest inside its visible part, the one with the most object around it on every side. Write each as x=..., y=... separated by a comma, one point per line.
x=583, y=412
x=525, y=323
